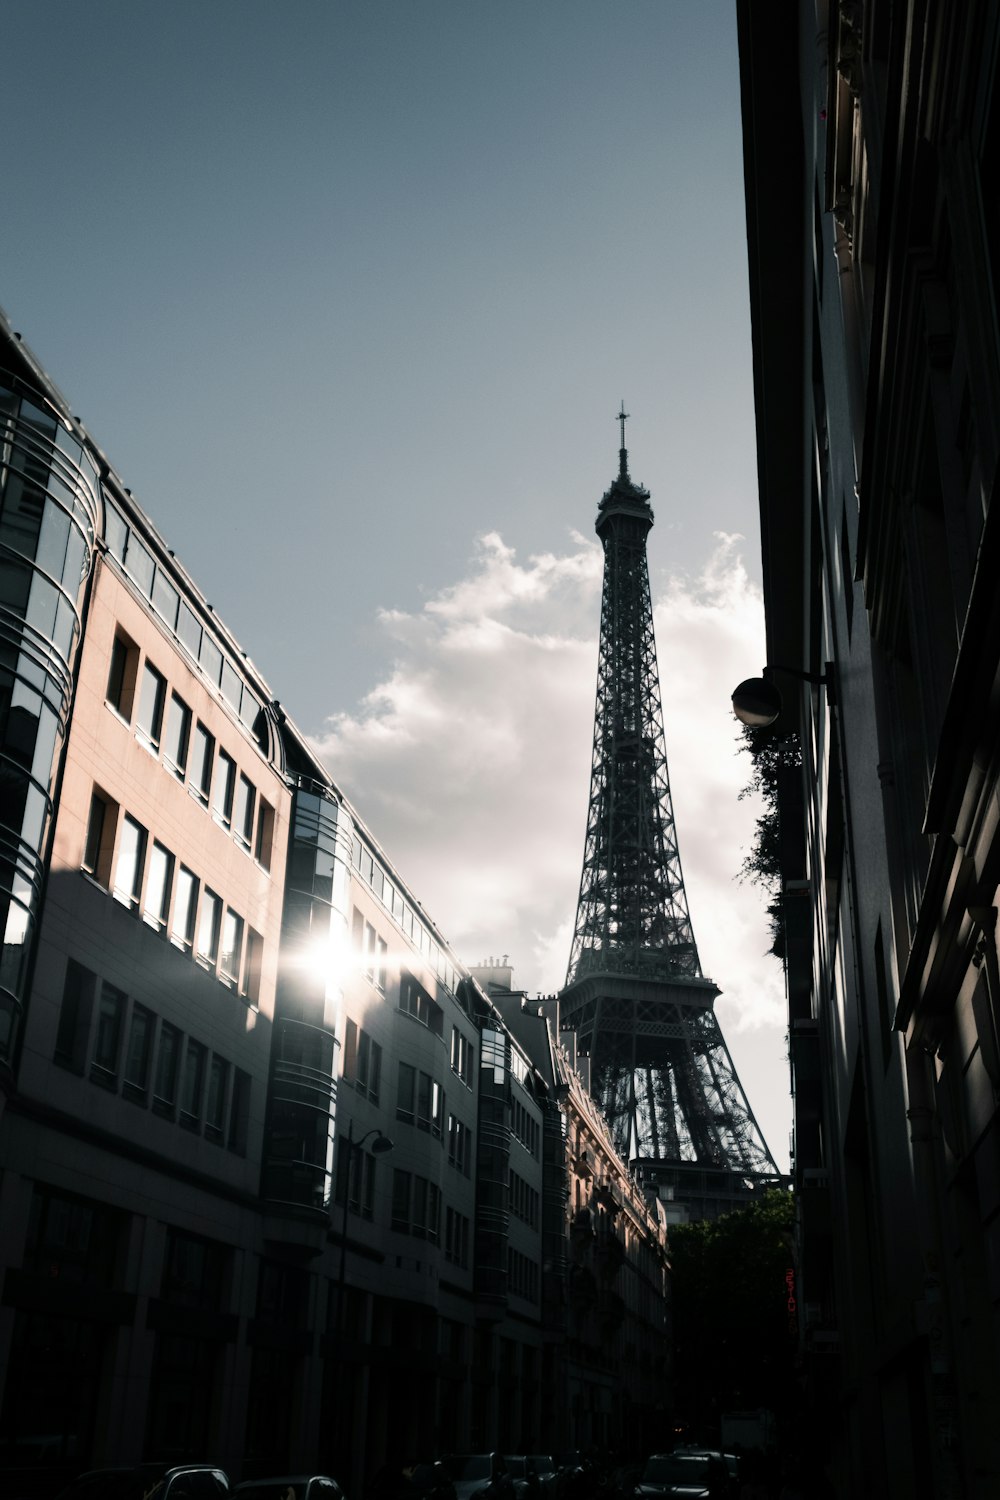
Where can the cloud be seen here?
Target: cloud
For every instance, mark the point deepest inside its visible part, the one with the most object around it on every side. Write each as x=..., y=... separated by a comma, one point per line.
x=470, y=761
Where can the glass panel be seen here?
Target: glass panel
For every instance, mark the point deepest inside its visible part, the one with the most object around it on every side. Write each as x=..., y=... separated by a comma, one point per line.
x=211, y=659
x=215, y=1111
x=131, y=851
x=232, y=944
x=149, y=720
x=52, y=541
x=189, y=629
x=209, y=923
x=185, y=908
x=140, y=1048
x=165, y=598
x=139, y=564
x=74, y=564
x=222, y=788
x=175, y=743
x=115, y=531
x=161, y=869
x=193, y=1084
x=167, y=1064
x=243, y=817
x=202, y=751
x=110, y=1020
x=232, y=685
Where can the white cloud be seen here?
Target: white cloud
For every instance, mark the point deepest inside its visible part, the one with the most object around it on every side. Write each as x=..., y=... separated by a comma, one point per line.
x=471, y=764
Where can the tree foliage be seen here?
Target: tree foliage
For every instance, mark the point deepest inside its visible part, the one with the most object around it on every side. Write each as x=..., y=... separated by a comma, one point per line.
x=733, y=1345
x=761, y=866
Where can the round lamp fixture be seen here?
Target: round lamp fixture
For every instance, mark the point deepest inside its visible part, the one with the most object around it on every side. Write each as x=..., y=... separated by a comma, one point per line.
x=756, y=702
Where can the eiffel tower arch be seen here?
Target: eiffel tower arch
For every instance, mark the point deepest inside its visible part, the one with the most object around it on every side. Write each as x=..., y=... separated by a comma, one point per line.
x=635, y=993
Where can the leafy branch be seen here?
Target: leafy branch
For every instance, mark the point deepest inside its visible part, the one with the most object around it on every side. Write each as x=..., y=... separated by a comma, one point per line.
x=770, y=753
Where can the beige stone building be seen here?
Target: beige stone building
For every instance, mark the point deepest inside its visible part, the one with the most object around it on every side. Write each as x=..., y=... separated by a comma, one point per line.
x=282, y=1186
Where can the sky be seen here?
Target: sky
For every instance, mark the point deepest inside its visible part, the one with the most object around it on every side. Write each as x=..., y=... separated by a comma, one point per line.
x=350, y=293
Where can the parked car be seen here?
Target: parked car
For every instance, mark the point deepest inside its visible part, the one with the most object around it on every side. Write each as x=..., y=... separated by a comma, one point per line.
x=291, y=1487
x=684, y=1476
x=149, y=1482
x=479, y=1475
x=543, y=1466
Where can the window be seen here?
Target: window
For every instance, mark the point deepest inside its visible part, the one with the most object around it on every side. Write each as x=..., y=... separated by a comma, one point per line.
x=243, y=814
x=200, y=771
x=185, y=909
x=232, y=945
x=360, y=1191
x=406, y=1094
x=158, y=883
x=168, y=1057
x=456, y=1237
x=131, y=857
x=459, y=1144
x=149, y=720
x=215, y=1108
x=415, y=1001
x=239, y=1112
x=265, y=834
x=122, y=675
x=462, y=1056
x=209, y=924
x=99, y=848
x=369, y=952
x=493, y=1054
x=381, y=958
x=108, y=1042
x=73, y=1035
x=223, y=786
x=252, y=964
x=139, y=1053
x=416, y=1206
x=192, y=1084
x=177, y=737
x=362, y=1061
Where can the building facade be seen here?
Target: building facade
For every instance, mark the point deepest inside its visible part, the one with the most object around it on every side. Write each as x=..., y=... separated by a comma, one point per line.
x=281, y=1186
x=871, y=143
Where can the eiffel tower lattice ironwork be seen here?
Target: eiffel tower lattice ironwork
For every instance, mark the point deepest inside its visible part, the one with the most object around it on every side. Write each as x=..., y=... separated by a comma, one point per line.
x=635, y=993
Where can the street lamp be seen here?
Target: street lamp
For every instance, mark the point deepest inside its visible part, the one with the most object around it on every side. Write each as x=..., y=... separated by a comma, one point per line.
x=757, y=701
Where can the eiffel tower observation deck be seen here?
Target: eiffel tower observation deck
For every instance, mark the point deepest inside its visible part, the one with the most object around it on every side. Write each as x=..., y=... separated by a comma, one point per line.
x=635, y=993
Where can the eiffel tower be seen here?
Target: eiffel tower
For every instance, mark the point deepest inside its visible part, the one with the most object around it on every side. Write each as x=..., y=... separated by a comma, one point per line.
x=635, y=994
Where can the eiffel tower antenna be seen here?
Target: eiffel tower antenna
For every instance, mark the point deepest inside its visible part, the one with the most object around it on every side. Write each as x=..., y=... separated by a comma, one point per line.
x=635, y=993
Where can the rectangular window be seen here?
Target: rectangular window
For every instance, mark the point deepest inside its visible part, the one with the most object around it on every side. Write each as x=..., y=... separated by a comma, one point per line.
x=381, y=960
x=192, y=1084
x=369, y=1066
x=122, y=674
x=158, y=883
x=252, y=965
x=131, y=858
x=232, y=945
x=168, y=1058
x=215, y=1108
x=239, y=1112
x=149, y=719
x=223, y=786
x=200, y=771
x=401, y=1201
x=265, y=834
x=185, y=909
x=209, y=925
x=165, y=598
x=139, y=1054
x=369, y=952
x=351, y=1052
x=188, y=629
x=177, y=737
x=406, y=1093
x=99, y=848
x=73, y=1035
x=108, y=1042
x=243, y=813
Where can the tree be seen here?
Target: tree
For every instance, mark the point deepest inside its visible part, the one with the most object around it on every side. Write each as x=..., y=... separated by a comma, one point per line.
x=762, y=865
x=734, y=1347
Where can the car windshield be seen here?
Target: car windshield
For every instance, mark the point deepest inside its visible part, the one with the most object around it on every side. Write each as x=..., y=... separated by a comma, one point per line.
x=677, y=1468
x=468, y=1466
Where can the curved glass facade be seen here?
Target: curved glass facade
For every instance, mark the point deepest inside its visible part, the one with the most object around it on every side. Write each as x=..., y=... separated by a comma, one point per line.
x=50, y=512
x=302, y=1090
